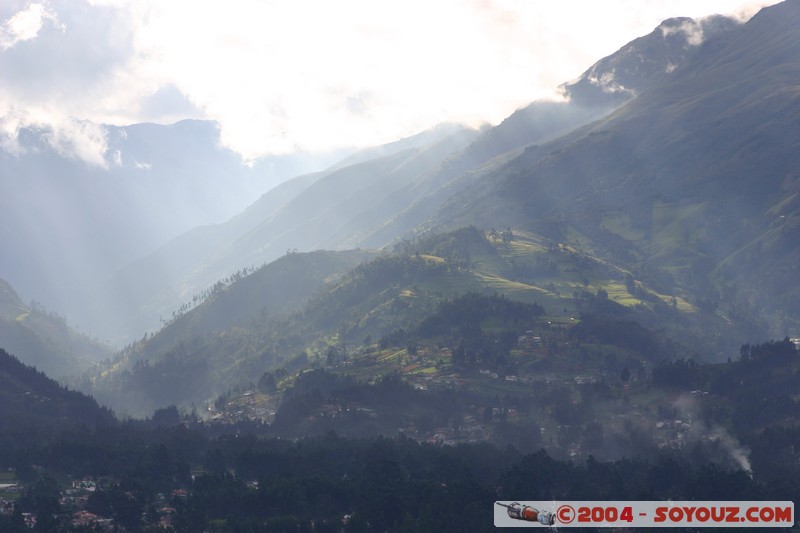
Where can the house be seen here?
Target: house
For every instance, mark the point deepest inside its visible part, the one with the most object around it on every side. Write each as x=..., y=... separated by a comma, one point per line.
x=84, y=518
x=86, y=485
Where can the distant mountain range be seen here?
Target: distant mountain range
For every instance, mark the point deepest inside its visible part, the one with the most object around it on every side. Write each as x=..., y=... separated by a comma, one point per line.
x=380, y=195
x=665, y=180
x=302, y=213
x=678, y=192
x=66, y=226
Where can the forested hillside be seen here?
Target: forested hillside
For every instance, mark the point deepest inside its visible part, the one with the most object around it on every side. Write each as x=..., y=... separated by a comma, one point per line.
x=43, y=339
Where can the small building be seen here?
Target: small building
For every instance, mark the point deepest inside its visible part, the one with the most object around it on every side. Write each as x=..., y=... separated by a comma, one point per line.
x=86, y=485
x=84, y=518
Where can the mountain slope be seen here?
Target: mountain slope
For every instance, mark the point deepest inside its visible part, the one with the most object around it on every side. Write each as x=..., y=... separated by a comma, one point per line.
x=131, y=301
x=299, y=214
x=29, y=398
x=693, y=182
x=646, y=61
x=277, y=288
x=44, y=340
x=377, y=196
x=221, y=342
x=238, y=333
x=603, y=87
x=66, y=225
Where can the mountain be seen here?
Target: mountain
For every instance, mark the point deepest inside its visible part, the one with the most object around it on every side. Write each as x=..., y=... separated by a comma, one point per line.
x=66, y=225
x=379, y=195
x=692, y=183
x=223, y=340
x=43, y=339
x=300, y=214
x=28, y=398
x=637, y=65
x=244, y=329
x=277, y=288
x=645, y=61
x=534, y=272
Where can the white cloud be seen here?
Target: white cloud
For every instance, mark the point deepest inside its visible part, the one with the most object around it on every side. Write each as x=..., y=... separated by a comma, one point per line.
x=80, y=139
x=312, y=74
x=25, y=25
x=116, y=157
x=67, y=136
x=692, y=31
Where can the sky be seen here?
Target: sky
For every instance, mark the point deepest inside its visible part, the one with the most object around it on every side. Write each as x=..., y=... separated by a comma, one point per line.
x=302, y=75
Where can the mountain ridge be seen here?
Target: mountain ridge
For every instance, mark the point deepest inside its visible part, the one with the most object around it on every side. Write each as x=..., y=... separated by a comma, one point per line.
x=290, y=217
x=673, y=171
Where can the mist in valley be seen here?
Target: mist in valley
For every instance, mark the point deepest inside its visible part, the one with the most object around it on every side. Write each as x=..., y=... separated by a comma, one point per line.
x=549, y=242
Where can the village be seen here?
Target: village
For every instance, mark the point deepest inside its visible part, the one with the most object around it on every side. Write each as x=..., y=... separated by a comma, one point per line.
x=545, y=357
x=75, y=498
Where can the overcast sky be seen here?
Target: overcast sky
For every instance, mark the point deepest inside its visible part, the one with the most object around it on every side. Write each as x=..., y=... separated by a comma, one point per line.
x=282, y=75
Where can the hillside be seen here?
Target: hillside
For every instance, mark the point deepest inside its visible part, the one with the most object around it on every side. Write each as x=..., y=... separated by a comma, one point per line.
x=224, y=337
x=609, y=83
x=296, y=215
x=43, y=339
x=236, y=335
x=28, y=398
x=692, y=183
x=557, y=389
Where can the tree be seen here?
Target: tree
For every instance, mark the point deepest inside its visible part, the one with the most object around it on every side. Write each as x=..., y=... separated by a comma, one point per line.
x=267, y=383
x=167, y=417
x=42, y=498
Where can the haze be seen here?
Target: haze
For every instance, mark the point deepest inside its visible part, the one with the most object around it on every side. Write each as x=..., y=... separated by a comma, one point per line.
x=314, y=76
x=314, y=266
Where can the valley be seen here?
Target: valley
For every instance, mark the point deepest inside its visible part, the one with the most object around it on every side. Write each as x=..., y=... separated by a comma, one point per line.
x=595, y=298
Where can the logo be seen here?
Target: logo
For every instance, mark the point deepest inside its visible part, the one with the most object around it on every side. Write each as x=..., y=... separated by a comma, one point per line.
x=565, y=514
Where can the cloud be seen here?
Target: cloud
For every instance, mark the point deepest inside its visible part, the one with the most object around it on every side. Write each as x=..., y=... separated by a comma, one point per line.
x=691, y=29
x=309, y=75
x=62, y=63
x=25, y=25
x=66, y=136
x=79, y=139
